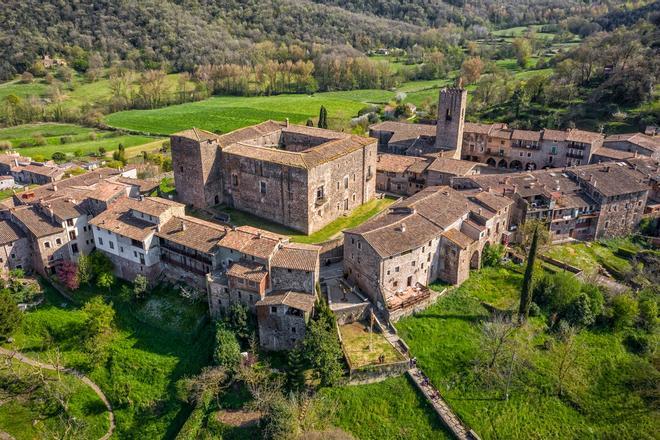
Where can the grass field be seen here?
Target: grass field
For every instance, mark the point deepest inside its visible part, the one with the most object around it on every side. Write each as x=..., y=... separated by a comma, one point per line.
x=333, y=229
x=77, y=138
x=590, y=257
x=155, y=345
x=227, y=113
x=363, y=348
x=26, y=418
x=392, y=409
x=605, y=398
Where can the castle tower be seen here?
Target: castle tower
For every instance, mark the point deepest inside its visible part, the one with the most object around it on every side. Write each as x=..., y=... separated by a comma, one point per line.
x=451, y=118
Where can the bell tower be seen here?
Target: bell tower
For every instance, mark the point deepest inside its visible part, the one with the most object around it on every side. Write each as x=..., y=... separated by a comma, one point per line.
x=451, y=118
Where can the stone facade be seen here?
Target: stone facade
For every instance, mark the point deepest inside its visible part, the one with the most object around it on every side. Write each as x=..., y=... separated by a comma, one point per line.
x=451, y=118
x=438, y=233
x=301, y=177
x=282, y=319
x=15, y=250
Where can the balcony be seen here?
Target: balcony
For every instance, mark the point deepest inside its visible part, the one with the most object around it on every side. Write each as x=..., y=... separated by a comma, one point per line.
x=202, y=258
x=173, y=262
x=575, y=155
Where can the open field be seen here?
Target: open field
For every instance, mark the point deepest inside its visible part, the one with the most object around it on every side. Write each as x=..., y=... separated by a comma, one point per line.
x=363, y=348
x=392, y=409
x=25, y=417
x=604, y=399
x=333, y=229
x=156, y=342
x=590, y=257
x=76, y=139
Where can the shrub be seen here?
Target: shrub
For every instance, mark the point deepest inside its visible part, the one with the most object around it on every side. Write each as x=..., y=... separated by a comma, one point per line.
x=140, y=286
x=493, y=255
x=27, y=77
x=579, y=312
x=66, y=140
x=26, y=144
x=58, y=156
x=92, y=136
x=39, y=140
x=556, y=291
x=534, y=310
x=637, y=344
x=279, y=420
x=67, y=273
x=105, y=280
x=227, y=352
x=623, y=311
x=648, y=313
x=10, y=315
x=39, y=158
x=5, y=145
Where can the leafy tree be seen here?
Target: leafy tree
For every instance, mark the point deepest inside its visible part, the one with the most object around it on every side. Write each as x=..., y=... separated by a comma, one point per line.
x=523, y=50
x=323, y=118
x=580, y=312
x=526, y=291
x=85, y=269
x=556, y=292
x=100, y=263
x=321, y=347
x=67, y=273
x=238, y=320
x=58, y=156
x=623, y=311
x=105, y=280
x=10, y=315
x=471, y=69
x=140, y=286
x=528, y=229
x=227, y=351
x=98, y=329
x=492, y=255
x=279, y=420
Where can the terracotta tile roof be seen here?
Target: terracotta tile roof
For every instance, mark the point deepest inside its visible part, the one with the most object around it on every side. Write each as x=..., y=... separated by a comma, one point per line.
x=585, y=137
x=248, y=270
x=155, y=206
x=296, y=300
x=64, y=208
x=47, y=171
x=192, y=233
x=118, y=219
x=36, y=222
x=197, y=134
x=452, y=166
x=259, y=245
x=612, y=153
x=144, y=186
x=405, y=132
x=297, y=257
x=397, y=163
x=471, y=127
x=458, y=237
x=526, y=135
x=554, y=135
x=651, y=143
x=9, y=232
x=106, y=191
x=491, y=201
x=77, y=184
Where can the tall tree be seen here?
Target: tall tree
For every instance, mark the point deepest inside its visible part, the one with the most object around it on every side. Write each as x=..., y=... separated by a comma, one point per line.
x=323, y=118
x=10, y=315
x=526, y=291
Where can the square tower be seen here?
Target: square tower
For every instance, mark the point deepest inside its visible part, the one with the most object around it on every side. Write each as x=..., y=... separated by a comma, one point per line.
x=451, y=118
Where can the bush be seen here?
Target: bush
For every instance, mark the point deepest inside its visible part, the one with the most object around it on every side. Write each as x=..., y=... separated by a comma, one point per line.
x=648, y=313
x=227, y=352
x=140, y=286
x=579, y=312
x=623, y=311
x=39, y=140
x=10, y=315
x=534, y=310
x=556, y=291
x=67, y=273
x=66, y=140
x=58, y=156
x=5, y=145
x=637, y=344
x=279, y=420
x=493, y=255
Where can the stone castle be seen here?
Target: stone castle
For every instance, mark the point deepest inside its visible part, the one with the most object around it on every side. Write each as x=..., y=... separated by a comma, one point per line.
x=301, y=177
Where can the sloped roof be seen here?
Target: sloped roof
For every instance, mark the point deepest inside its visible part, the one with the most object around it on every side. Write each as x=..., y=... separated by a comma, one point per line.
x=297, y=257
x=192, y=233
x=296, y=300
x=9, y=232
x=248, y=270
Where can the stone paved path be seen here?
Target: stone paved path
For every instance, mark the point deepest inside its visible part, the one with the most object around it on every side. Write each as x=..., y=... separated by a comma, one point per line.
x=443, y=410
x=26, y=360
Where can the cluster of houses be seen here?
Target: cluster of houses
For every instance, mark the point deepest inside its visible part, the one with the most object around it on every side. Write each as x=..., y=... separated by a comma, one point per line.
x=450, y=209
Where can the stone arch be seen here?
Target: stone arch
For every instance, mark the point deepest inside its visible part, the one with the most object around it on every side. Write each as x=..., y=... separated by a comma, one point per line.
x=516, y=165
x=491, y=162
x=474, y=260
x=502, y=164
x=531, y=166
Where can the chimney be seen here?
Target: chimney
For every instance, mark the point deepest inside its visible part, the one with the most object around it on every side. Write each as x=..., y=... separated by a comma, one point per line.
x=607, y=169
x=479, y=211
x=286, y=121
x=158, y=227
x=403, y=227
x=15, y=162
x=55, y=187
x=183, y=226
x=515, y=189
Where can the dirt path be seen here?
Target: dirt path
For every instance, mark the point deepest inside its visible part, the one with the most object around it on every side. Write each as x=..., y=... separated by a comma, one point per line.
x=26, y=360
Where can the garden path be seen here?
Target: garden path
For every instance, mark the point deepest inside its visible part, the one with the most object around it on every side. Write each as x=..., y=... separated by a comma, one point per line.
x=26, y=360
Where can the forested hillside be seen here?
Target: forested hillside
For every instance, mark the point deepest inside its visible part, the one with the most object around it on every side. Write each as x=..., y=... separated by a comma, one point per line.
x=188, y=33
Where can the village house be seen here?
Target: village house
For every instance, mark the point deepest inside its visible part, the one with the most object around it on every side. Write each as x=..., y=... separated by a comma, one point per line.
x=438, y=233
x=282, y=318
x=634, y=143
x=301, y=177
x=15, y=250
x=586, y=202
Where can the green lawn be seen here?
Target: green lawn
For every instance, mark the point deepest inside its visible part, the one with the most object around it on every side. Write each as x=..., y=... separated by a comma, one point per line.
x=605, y=397
x=364, y=348
x=392, y=409
x=15, y=87
x=85, y=139
x=333, y=229
x=227, y=113
x=27, y=418
x=590, y=257
x=157, y=342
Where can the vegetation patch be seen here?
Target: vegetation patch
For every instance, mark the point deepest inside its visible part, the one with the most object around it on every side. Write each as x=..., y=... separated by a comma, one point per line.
x=363, y=347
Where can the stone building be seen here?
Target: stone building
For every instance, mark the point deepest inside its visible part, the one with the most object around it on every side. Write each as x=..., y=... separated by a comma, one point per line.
x=584, y=202
x=15, y=251
x=407, y=175
x=638, y=143
x=451, y=118
x=36, y=174
x=301, y=177
x=282, y=318
x=438, y=233
x=400, y=137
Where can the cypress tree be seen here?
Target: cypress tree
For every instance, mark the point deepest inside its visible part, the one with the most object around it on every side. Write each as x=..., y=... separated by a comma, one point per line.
x=323, y=118
x=526, y=291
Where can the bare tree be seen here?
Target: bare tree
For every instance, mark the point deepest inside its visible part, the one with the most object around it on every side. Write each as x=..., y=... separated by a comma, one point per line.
x=567, y=352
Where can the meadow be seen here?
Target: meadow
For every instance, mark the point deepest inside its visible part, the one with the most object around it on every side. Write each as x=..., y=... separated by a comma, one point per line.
x=156, y=342
x=605, y=398
x=66, y=138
